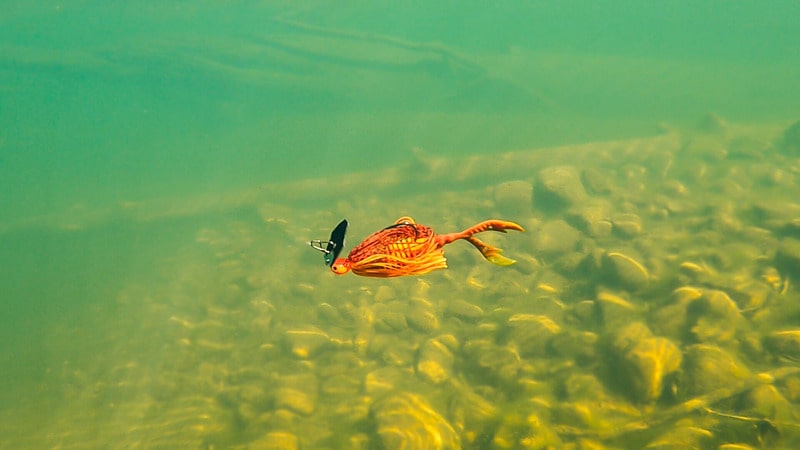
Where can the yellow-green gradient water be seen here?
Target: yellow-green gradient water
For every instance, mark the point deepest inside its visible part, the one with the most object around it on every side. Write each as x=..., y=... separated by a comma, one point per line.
x=163, y=167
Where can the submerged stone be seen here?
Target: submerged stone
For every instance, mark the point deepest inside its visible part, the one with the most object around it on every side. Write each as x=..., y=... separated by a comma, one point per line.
x=556, y=237
x=682, y=437
x=389, y=321
x=648, y=363
x=625, y=270
x=614, y=309
x=714, y=317
x=407, y=421
x=766, y=401
x=627, y=225
x=514, y=197
x=708, y=368
x=465, y=310
x=787, y=259
x=645, y=361
x=307, y=342
x=295, y=400
x=785, y=344
x=531, y=333
x=435, y=361
x=791, y=138
x=423, y=319
x=276, y=440
x=561, y=186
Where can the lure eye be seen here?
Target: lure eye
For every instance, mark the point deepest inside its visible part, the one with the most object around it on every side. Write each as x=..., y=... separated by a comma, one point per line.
x=341, y=266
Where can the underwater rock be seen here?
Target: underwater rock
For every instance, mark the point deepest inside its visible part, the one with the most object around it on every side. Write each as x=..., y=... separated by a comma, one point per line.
x=471, y=414
x=682, y=437
x=531, y=333
x=254, y=395
x=389, y=321
x=645, y=361
x=579, y=345
x=384, y=294
x=648, y=363
x=561, y=186
x=597, y=181
x=791, y=138
x=276, y=440
x=307, y=342
x=406, y=421
x=627, y=337
x=706, y=147
x=423, y=319
x=781, y=217
x=519, y=431
x=625, y=270
x=295, y=400
x=627, y=225
x=784, y=344
x=735, y=446
x=465, y=310
x=670, y=319
x=614, y=310
x=384, y=379
x=500, y=363
x=587, y=217
x=601, y=228
x=714, y=317
x=787, y=259
x=514, y=197
x=765, y=401
x=401, y=354
x=329, y=314
x=340, y=385
x=435, y=360
x=555, y=237
x=582, y=386
x=748, y=148
x=586, y=312
x=707, y=368
x=712, y=123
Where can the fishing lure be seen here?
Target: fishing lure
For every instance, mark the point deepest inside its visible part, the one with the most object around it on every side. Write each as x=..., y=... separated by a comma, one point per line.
x=407, y=248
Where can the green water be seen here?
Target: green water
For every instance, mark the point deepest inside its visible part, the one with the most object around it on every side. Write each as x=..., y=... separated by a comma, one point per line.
x=131, y=133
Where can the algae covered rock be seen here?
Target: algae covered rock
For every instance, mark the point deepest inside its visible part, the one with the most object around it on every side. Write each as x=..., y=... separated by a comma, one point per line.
x=614, y=309
x=423, y=318
x=708, y=368
x=556, y=237
x=407, y=421
x=627, y=225
x=714, y=317
x=561, y=186
x=276, y=440
x=644, y=361
x=465, y=310
x=784, y=344
x=514, y=197
x=435, y=359
x=624, y=270
x=531, y=333
x=791, y=138
x=787, y=258
x=766, y=401
x=648, y=363
x=684, y=436
x=307, y=342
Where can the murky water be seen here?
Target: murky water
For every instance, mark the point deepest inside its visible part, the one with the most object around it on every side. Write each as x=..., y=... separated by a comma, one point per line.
x=163, y=167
